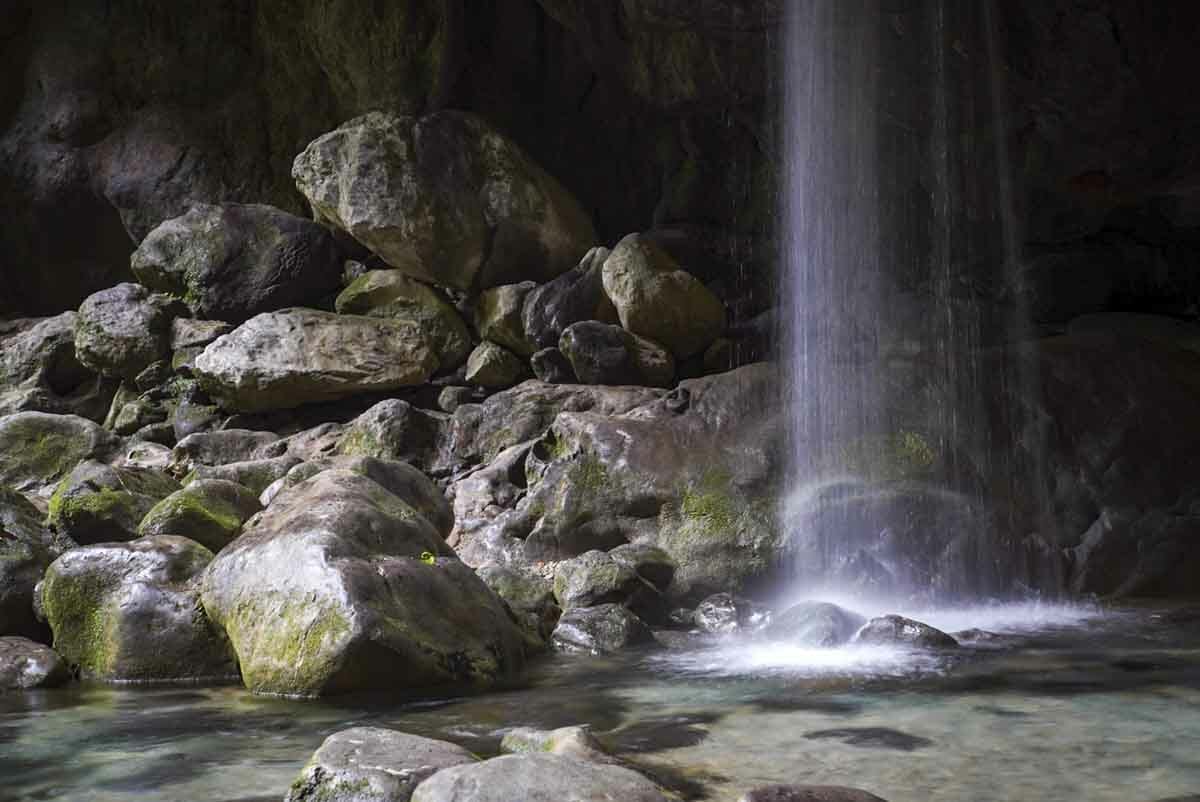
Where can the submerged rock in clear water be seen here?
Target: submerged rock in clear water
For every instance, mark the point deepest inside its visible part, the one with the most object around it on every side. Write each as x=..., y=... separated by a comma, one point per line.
x=896, y=629
x=537, y=777
x=813, y=623
x=808, y=793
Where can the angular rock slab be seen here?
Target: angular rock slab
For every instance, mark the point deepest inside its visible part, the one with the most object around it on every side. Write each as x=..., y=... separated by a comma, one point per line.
x=372, y=764
x=445, y=198
x=281, y=360
x=342, y=586
x=232, y=261
x=537, y=778
x=25, y=664
x=130, y=612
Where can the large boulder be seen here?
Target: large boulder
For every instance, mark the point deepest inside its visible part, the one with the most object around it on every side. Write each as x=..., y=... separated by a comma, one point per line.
x=122, y=330
x=26, y=664
x=98, y=503
x=26, y=550
x=390, y=293
x=537, y=778
x=444, y=198
x=372, y=764
x=131, y=612
x=38, y=449
x=232, y=261
x=372, y=597
x=280, y=360
x=813, y=623
x=494, y=367
x=575, y=296
x=658, y=300
x=723, y=613
x=600, y=353
x=208, y=511
x=40, y=372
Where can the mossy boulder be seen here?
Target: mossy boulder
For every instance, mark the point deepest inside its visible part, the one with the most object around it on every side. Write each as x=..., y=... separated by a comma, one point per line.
x=26, y=550
x=498, y=317
x=576, y=742
x=122, y=330
x=26, y=664
x=600, y=353
x=445, y=198
x=394, y=430
x=281, y=360
x=372, y=764
x=658, y=300
x=392, y=294
x=594, y=578
x=231, y=261
x=340, y=586
x=494, y=367
x=602, y=629
x=131, y=612
x=98, y=503
x=38, y=449
x=208, y=511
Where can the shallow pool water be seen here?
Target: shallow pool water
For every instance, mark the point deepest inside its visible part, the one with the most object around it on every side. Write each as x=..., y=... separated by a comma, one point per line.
x=1065, y=704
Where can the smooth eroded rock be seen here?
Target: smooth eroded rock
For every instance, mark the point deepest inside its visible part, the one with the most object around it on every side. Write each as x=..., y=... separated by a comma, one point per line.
x=208, y=511
x=813, y=623
x=25, y=664
x=98, y=503
x=895, y=629
x=600, y=630
x=122, y=330
x=537, y=778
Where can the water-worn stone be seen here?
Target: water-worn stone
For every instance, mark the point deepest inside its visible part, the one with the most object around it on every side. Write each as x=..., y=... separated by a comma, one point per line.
x=40, y=372
x=98, y=503
x=280, y=360
x=26, y=550
x=232, y=261
x=895, y=629
x=808, y=793
x=812, y=623
x=537, y=778
x=722, y=613
x=550, y=366
x=131, y=612
x=600, y=353
x=576, y=742
x=444, y=198
x=573, y=297
x=26, y=664
x=600, y=630
x=372, y=764
x=594, y=578
x=498, y=317
x=495, y=367
x=652, y=564
x=394, y=430
x=390, y=293
x=208, y=511
x=657, y=300
x=122, y=330
x=528, y=594
x=372, y=597
x=37, y=449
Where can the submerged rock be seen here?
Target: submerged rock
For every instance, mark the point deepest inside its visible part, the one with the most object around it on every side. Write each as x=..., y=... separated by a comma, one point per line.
x=577, y=742
x=600, y=630
x=232, y=261
x=813, y=623
x=808, y=793
x=208, y=511
x=25, y=664
x=537, y=777
x=281, y=360
x=340, y=586
x=445, y=198
x=372, y=764
x=131, y=612
x=26, y=550
x=98, y=503
x=895, y=629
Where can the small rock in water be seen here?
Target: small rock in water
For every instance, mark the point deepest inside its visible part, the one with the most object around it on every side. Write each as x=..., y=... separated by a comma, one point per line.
x=537, y=777
x=977, y=636
x=600, y=630
x=872, y=737
x=808, y=793
x=577, y=742
x=892, y=629
x=723, y=613
x=26, y=664
x=813, y=623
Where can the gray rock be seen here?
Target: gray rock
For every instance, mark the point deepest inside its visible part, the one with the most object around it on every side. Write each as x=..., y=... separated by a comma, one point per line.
x=187, y=332
x=26, y=550
x=39, y=371
x=255, y=474
x=600, y=353
x=232, y=261
x=219, y=448
x=131, y=612
x=600, y=630
x=576, y=742
x=98, y=503
x=573, y=297
x=451, y=398
x=807, y=793
x=25, y=664
x=594, y=578
x=281, y=360
x=537, y=778
x=813, y=623
x=652, y=564
x=392, y=294
x=495, y=367
x=528, y=594
x=373, y=597
x=122, y=330
x=38, y=449
x=723, y=613
x=208, y=511
x=498, y=317
x=657, y=300
x=394, y=430
x=895, y=629
x=372, y=764
x=550, y=366
x=444, y=198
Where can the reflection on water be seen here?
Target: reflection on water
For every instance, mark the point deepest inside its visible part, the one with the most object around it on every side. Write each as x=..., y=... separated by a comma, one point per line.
x=1064, y=706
